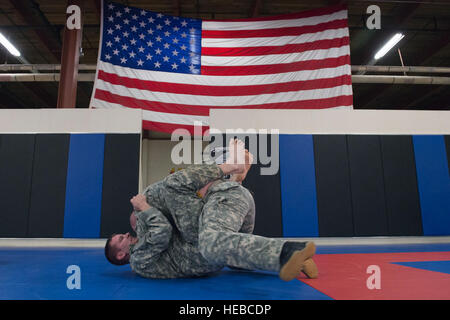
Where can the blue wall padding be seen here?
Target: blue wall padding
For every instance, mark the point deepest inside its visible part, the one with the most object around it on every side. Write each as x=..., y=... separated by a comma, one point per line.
x=298, y=186
x=84, y=186
x=433, y=183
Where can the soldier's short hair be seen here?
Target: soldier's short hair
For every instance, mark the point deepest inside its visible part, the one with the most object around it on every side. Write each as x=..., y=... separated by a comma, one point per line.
x=110, y=253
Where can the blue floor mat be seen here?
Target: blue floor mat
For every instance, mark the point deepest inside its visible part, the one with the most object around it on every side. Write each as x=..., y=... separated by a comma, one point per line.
x=41, y=274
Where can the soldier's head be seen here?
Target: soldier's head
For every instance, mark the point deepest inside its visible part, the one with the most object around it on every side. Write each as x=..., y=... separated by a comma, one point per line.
x=117, y=248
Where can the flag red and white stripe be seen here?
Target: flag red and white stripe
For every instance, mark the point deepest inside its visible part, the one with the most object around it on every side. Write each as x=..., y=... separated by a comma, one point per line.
x=295, y=61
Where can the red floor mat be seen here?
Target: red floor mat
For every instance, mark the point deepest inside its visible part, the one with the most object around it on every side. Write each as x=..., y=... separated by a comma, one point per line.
x=344, y=277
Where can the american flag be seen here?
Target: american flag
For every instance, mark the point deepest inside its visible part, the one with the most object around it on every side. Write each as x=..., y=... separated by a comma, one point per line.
x=176, y=69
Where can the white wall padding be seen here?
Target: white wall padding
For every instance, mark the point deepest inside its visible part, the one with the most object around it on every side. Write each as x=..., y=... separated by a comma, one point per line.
x=70, y=121
x=331, y=121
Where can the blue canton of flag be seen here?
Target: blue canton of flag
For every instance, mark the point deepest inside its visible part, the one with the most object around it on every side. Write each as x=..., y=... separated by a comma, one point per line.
x=142, y=39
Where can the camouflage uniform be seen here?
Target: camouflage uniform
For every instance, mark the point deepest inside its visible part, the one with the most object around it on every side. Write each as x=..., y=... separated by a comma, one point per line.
x=179, y=239
x=228, y=212
x=168, y=232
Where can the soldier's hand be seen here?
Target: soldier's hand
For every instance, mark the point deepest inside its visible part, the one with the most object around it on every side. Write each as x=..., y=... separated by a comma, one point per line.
x=139, y=203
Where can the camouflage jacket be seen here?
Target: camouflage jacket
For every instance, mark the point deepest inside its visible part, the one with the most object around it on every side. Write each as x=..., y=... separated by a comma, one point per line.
x=168, y=232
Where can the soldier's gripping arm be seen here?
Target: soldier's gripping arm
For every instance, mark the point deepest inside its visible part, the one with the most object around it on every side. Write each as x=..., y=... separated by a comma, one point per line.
x=154, y=195
x=154, y=233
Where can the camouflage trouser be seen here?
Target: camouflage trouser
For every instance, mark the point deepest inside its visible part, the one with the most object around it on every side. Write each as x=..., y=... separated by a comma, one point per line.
x=224, y=214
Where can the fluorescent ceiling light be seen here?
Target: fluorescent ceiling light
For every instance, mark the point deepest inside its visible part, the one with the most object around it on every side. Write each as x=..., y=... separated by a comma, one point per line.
x=388, y=46
x=8, y=45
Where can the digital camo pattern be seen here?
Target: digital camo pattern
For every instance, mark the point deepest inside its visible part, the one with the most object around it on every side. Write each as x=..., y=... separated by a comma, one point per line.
x=176, y=197
x=168, y=232
x=226, y=221
x=186, y=236
x=162, y=253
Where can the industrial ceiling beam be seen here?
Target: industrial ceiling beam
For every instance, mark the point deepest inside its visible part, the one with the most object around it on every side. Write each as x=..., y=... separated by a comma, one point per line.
x=255, y=9
x=98, y=8
x=46, y=99
x=89, y=77
x=337, y=2
x=32, y=15
x=357, y=68
x=67, y=91
x=423, y=97
x=402, y=14
x=7, y=95
x=421, y=59
x=176, y=8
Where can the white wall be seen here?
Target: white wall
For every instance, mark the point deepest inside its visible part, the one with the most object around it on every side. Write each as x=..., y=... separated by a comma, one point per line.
x=156, y=160
x=333, y=121
x=70, y=120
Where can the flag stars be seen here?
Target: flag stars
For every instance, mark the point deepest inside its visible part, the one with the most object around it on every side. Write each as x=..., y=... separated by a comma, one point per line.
x=126, y=48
